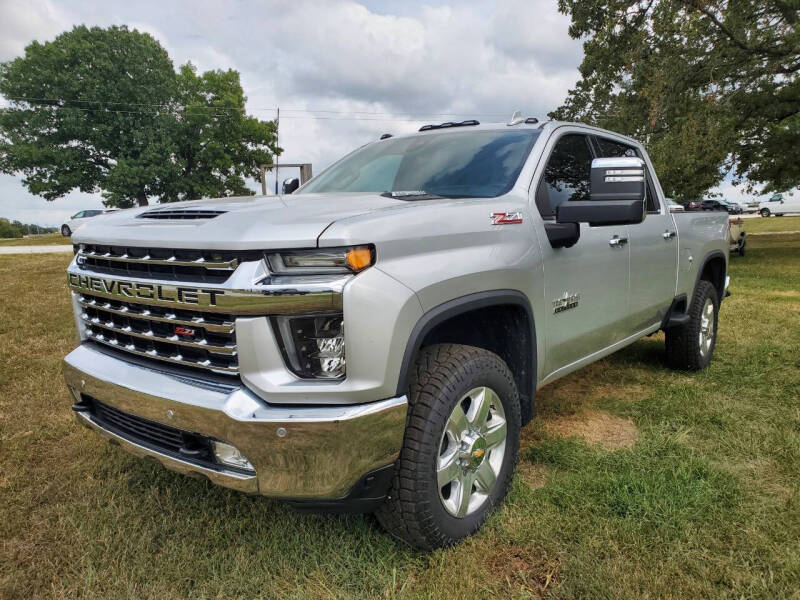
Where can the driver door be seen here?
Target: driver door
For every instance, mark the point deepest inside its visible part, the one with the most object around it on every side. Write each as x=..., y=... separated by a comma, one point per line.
x=586, y=285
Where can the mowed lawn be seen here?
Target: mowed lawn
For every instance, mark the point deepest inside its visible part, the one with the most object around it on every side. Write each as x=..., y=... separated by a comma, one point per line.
x=634, y=481
x=47, y=239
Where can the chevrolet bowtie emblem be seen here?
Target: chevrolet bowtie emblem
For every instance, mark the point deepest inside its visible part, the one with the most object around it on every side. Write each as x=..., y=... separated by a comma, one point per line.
x=478, y=453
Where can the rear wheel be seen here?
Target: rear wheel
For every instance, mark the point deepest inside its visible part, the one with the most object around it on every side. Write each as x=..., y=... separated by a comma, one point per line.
x=691, y=346
x=65, y=231
x=764, y=212
x=459, y=450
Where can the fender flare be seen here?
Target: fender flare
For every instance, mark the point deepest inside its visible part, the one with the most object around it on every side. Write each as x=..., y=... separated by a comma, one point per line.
x=706, y=259
x=452, y=308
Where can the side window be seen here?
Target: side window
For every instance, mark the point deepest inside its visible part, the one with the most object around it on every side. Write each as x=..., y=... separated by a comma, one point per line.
x=566, y=175
x=607, y=148
x=78, y=215
x=611, y=149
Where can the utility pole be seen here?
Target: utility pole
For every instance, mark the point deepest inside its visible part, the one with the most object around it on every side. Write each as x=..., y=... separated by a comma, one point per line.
x=277, y=145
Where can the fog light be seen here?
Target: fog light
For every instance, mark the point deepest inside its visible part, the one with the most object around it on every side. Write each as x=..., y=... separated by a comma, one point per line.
x=230, y=455
x=313, y=346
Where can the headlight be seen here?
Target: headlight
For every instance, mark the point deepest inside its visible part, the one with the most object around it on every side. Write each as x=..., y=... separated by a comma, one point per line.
x=313, y=346
x=320, y=261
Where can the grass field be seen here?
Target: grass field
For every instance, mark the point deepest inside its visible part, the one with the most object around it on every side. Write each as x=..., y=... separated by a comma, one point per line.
x=48, y=239
x=634, y=481
x=771, y=224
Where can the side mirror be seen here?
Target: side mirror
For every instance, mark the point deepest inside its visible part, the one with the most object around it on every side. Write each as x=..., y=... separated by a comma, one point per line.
x=616, y=194
x=290, y=185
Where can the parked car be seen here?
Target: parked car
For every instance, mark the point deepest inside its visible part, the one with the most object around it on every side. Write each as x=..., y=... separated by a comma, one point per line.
x=674, y=206
x=736, y=236
x=78, y=219
x=694, y=205
x=712, y=204
x=780, y=204
x=374, y=341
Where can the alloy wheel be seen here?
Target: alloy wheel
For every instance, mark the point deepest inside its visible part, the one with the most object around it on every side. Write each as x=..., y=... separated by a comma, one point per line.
x=471, y=452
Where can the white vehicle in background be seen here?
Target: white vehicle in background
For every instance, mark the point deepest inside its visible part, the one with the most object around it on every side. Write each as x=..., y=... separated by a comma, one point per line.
x=779, y=205
x=79, y=218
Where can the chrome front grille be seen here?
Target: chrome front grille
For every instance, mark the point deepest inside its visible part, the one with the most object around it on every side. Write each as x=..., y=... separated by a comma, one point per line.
x=179, y=336
x=196, y=266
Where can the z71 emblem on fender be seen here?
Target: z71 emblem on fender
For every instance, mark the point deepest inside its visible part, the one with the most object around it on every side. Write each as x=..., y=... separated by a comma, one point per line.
x=506, y=218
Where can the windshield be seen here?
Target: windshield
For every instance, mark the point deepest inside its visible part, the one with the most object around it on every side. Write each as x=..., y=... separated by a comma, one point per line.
x=461, y=164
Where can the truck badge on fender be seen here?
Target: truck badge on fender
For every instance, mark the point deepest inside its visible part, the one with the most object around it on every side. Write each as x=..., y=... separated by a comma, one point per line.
x=506, y=218
x=566, y=302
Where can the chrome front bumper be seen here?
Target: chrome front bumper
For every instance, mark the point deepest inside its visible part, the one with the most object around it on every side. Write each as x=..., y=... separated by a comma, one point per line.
x=298, y=452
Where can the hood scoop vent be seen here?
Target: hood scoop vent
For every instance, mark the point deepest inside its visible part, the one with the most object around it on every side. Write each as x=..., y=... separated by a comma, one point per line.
x=181, y=213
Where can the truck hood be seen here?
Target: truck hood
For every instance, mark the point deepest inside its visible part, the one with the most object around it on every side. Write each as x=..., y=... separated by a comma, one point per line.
x=244, y=223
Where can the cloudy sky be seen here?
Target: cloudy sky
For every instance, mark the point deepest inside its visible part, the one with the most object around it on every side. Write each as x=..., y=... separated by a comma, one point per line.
x=342, y=72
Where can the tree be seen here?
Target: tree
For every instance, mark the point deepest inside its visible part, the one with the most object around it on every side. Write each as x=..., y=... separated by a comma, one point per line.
x=711, y=86
x=88, y=109
x=215, y=144
x=104, y=109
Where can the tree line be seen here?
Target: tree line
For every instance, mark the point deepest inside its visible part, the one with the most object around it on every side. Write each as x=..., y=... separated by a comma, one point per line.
x=15, y=229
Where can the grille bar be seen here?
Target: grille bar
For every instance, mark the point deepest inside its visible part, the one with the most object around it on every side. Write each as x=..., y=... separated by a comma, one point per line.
x=176, y=359
x=177, y=336
x=172, y=261
x=140, y=311
x=171, y=264
x=94, y=322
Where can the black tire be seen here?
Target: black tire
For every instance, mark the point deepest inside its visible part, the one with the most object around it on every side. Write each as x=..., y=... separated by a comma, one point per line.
x=683, y=342
x=65, y=231
x=414, y=511
x=764, y=212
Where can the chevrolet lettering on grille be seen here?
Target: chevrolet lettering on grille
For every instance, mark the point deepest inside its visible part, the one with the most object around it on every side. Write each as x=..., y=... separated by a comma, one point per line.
x=144, y=291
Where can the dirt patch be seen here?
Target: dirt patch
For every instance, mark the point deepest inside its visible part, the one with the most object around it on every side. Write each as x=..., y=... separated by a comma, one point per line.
x=534, y=476
x=595, y=427
x=523, y=566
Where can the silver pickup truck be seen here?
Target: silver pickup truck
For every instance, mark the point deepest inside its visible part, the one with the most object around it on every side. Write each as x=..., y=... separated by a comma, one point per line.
x=374, y=340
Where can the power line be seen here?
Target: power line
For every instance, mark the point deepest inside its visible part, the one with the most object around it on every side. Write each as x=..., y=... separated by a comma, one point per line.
x=270, y=109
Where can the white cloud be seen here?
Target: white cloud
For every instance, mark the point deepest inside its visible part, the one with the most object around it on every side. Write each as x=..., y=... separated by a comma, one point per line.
x=24, y=21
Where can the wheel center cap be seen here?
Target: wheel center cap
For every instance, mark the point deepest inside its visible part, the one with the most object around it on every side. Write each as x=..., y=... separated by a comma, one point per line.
x=474, y=450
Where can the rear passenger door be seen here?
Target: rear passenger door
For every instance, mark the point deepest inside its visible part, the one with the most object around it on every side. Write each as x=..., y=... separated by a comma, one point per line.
x=654, y=250
x=586, y=286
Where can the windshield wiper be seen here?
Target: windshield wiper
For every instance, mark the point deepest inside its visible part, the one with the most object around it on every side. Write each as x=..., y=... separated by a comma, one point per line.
x=412, y=195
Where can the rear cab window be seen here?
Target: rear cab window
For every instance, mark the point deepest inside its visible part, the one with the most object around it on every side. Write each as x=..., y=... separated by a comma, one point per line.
x=608, y=148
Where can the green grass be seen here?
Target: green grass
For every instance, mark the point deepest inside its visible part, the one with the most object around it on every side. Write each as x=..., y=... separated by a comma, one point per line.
x=705, y=504
x=47, y=239
x=771, y=224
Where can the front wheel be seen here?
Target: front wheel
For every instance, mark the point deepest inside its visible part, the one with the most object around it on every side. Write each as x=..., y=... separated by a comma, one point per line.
x=65, y=231
x=459, y=450
x=691, y=346
x=764, y=212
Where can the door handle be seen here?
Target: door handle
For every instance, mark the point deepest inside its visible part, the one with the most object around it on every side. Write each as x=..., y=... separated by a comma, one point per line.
x=668, y=234
x=617, y=241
